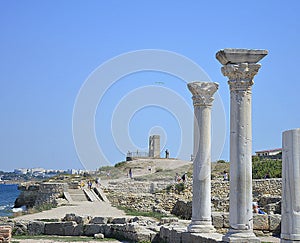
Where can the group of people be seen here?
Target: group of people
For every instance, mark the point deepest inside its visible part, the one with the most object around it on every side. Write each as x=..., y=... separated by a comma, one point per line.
x=90, y=183
x=179, y=179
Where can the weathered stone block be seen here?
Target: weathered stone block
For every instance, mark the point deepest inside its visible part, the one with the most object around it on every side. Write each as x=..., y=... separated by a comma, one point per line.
x=175, y=235
x=99, y=220
x=217, y=220
x=132, y=227
x=164, y=233
x=275, y=223
x=142, y=236
x=78, y=219
x=57, y=228
x=20, y=228
x=168, y=220
x=69, y=217
x=99, y=236
x=204, y=237
x=260, y=222
x=75, y=230
x=36, y=228
x=120, y=221
x=91, y=229
x=226, y=220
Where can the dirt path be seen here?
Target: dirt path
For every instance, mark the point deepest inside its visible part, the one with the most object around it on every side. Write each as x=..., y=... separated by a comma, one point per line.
x=55, y=241
x=93, y=209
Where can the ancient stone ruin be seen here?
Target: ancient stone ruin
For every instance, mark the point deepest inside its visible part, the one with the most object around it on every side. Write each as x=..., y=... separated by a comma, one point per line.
x=240, y=66
x=153, y=152
x=154, y=146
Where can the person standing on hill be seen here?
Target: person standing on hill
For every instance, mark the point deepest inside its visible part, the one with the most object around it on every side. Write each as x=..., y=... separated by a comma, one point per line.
x=130, y=173
x=167, y=153
x=184, y=177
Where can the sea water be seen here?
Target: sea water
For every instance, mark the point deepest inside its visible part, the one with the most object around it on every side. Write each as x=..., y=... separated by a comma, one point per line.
x=8, y=195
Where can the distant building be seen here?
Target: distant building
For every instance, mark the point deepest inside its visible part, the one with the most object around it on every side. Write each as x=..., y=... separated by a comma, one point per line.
x=272, y=153
x=154, y=146
x=153, y=152
x=21, y=171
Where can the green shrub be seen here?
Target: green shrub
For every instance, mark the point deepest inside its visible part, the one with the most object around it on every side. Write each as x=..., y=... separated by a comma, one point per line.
x=133, y=212
x=266, y=166
x=179, y=187
x=120, y=164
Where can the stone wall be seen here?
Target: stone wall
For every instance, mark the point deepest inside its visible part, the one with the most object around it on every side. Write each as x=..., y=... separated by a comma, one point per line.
x=49, y=193
x=40, y=194
x=266, y=192
x=27, y=196
x=133, y=186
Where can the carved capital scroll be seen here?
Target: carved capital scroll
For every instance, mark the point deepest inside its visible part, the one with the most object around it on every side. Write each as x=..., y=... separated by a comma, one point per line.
x=203, y=92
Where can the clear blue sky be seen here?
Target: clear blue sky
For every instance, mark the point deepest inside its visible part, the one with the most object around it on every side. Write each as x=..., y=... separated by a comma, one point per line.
x=49, y=48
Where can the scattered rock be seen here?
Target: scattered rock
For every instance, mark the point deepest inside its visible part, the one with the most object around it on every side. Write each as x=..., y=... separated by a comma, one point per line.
x=99, y=236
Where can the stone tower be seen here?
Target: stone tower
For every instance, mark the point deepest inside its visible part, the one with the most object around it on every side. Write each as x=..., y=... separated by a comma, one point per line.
x=154, y=146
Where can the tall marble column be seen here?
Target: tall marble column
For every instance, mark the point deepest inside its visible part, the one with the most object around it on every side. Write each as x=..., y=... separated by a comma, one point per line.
x=240, y=66
x=201, y=205
x=290, y=206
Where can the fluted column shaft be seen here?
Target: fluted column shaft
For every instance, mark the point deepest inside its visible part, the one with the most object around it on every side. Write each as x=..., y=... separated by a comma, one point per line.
x=290, y=205
x=240, y=66
x=201, y=205
x=240, y=82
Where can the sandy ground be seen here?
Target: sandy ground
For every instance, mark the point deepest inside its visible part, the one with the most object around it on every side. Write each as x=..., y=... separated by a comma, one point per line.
x=53, y=241
x=79, y=208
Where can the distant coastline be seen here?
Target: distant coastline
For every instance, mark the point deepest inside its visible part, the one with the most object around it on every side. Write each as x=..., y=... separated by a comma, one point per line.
x=10, y=182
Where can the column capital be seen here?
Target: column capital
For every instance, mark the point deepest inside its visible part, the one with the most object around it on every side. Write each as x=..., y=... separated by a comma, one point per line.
x=240, y=76
x=240, y=66
x=203, y=92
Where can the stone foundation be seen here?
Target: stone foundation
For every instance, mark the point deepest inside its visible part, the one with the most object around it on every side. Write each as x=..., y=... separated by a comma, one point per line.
x=137, y=228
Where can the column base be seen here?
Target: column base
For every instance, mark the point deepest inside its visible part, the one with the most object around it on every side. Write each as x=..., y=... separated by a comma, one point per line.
x=240, y=236
x=196, y=227
x=290, y=237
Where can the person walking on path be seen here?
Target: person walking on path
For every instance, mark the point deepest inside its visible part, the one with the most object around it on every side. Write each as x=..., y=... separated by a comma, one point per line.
x=130, y=173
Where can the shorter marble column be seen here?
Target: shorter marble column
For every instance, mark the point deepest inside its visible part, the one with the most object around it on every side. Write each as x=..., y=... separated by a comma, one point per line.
x=290, y=205
x=201, y=205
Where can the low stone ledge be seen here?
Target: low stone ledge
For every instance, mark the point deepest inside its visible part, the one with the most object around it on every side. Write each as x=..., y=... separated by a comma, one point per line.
x=120, y=221
x=63, y=229
x=203, y=237
x=180, y=235
x=101, y=220
x=75, y=218
x=36, y=228
x=91, y=229
x=137, y=229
